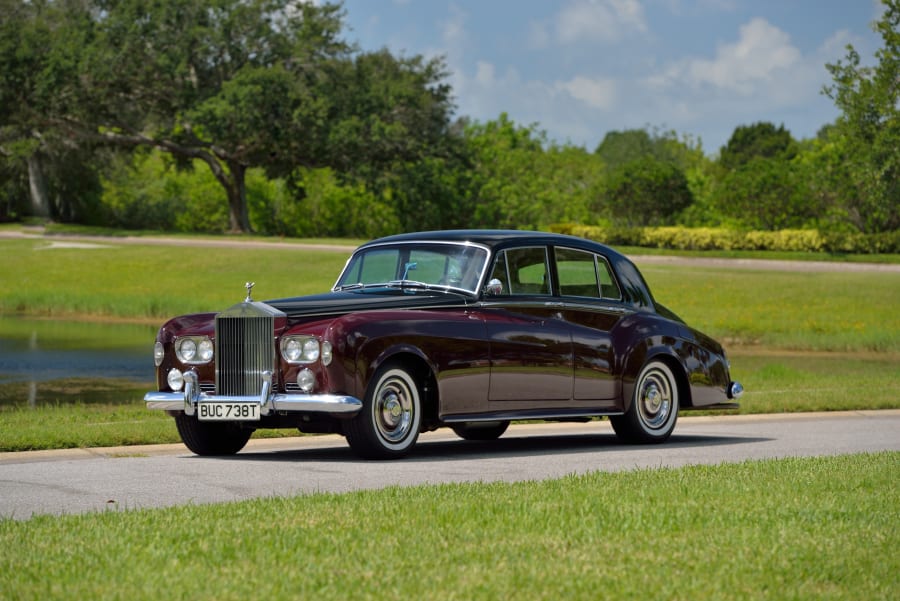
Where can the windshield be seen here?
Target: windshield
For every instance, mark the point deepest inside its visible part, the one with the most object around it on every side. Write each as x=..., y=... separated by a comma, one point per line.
x=432, y=264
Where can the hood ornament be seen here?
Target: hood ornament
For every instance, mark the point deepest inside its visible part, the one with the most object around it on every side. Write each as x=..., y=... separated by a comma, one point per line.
x=249, y=287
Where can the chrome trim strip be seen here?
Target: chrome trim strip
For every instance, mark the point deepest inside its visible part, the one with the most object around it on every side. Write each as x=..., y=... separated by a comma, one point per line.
x=269, y=403
x=324, y=403
x=435, y=242
x=528, y=414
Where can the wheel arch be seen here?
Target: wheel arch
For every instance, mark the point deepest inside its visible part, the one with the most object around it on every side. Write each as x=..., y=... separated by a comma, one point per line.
x=637, y=361
x=418, y=366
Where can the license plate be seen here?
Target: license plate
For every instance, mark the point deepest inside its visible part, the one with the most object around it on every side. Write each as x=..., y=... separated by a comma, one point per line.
x=228, y=412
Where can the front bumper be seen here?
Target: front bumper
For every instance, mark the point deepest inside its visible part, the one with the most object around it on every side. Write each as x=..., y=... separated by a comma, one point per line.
x=268, y=401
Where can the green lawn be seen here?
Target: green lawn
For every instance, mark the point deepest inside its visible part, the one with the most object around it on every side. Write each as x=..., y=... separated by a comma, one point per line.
x=818, y=528
x=798, y=341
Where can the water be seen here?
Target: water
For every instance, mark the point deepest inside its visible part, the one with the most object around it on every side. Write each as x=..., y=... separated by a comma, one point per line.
x=37, y=356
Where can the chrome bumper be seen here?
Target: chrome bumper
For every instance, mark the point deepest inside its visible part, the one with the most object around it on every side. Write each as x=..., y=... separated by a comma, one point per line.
x=268, y=402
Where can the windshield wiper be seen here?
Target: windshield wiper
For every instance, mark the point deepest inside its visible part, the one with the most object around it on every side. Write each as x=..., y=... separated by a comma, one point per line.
x=402, y=284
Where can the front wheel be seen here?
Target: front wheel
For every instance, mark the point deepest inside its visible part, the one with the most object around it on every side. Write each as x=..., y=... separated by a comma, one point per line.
x=388, y=425
x=211, y=438
x=654, y=407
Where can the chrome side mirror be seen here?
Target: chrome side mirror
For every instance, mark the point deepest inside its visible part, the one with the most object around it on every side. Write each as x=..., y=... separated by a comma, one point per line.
x=494, y=288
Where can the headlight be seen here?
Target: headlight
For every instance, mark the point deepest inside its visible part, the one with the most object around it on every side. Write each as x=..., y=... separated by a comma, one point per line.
x=194, y=350
x=159, y=353
x=300, y=349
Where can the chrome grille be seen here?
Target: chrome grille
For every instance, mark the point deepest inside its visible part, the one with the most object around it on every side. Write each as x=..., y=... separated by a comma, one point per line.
x=244, y=350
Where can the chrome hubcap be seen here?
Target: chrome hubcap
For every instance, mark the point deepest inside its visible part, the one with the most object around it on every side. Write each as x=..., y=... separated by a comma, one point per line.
x=394, y=410
x=655, y=399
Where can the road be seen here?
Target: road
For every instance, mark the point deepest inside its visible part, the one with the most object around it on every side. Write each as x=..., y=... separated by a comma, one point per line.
x=125, y=478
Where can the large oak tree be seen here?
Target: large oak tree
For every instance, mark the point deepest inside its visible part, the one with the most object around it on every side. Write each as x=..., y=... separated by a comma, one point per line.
x=231, y=83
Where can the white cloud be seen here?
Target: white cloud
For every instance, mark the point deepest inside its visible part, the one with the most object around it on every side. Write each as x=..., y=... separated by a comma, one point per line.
x=596, y=93
x=760, y=55
x=599, y=20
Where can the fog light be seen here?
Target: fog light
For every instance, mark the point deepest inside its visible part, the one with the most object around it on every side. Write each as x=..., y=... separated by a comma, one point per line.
x=175, y=380
x=306, y=380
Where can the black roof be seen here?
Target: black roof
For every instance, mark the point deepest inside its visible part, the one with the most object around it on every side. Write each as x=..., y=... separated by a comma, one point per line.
x=634, y=287
x=492, y=238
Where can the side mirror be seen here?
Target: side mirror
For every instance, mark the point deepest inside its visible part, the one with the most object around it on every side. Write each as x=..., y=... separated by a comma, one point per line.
x=494, y=288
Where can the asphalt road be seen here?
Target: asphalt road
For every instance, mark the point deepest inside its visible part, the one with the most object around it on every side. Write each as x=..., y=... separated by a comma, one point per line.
x=125, y=478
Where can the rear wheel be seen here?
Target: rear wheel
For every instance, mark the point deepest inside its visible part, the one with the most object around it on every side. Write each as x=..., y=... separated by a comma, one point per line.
x=654, y=407
x=480, y=430
x=388, y=425
x=211, y=438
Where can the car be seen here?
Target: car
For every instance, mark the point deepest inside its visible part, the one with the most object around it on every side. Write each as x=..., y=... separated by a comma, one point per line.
x=465, y=329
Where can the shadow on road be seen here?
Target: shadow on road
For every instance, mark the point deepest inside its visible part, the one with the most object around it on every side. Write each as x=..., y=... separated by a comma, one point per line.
x=513, y=446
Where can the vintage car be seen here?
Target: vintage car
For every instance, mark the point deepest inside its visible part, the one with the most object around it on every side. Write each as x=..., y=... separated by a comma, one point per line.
x=464, y=329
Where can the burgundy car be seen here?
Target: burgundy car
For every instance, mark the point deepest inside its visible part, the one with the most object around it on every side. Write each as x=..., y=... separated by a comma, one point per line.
x=464, y=329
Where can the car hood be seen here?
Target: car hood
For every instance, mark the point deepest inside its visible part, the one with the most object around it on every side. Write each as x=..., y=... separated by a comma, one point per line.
x=338, y=303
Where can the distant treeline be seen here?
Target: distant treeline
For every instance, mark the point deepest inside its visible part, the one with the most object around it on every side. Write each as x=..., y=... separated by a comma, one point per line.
x=258, y=116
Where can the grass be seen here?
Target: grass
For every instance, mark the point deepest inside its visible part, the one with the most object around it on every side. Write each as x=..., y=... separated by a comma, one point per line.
x=151, y=283
x=814, y=311
x=798, y=341
x=808, y=311
x=814, y=528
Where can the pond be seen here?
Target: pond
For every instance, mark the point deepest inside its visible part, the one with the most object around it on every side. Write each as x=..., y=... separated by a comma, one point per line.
x=51, y=361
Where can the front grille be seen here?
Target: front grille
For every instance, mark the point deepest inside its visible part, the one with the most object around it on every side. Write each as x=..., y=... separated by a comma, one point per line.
x=244, y=350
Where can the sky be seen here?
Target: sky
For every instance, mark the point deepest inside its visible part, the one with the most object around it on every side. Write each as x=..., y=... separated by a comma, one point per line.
x=577, y=69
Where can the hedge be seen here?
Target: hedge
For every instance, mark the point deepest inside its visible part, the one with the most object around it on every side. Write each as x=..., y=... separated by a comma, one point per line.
x=707, y=238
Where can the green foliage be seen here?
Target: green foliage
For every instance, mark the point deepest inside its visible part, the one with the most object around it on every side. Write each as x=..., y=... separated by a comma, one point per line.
x=150, y=193
x=646, y=192
x=259, y=95
x=619, y=148
x=765, y=193
x=760, y=140
x=869, y=127
x=516, y=183
x=329, y=207
x=712, y=238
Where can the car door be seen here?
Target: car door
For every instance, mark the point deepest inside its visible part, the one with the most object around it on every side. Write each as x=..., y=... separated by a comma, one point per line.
x=592, y=307
x=530, y=341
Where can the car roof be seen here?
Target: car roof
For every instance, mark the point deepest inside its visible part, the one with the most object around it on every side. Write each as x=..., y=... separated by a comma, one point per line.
x=635, y=288
x=496, y=238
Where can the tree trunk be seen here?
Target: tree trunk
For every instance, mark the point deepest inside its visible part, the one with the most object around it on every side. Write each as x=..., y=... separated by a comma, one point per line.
x=238, y=215
x=37, y=186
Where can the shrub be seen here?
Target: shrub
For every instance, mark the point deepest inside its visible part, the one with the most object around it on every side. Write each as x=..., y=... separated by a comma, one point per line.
x=681, y=238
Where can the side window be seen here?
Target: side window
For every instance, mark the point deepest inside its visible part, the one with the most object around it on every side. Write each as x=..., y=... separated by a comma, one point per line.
x=585, y=274
x=577, y=272
x=608, y=285
x=523, y=271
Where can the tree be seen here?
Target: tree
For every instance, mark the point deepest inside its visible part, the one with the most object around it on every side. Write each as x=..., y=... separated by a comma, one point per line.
x=761, y=139
x=519, y=180
x=766, y=193
x=39, y=162
x=619, y=148
x=645, y=192
x=869, y=124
